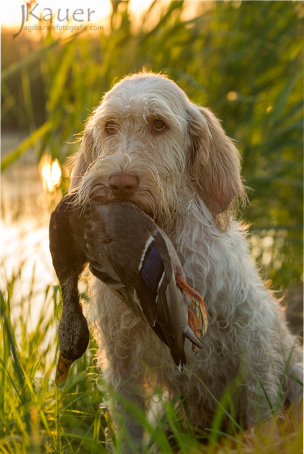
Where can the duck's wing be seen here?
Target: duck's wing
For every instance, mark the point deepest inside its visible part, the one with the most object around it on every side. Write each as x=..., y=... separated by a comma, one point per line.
x=128, y=254
x=140, y=258
x=96, y=242
x=96, y=246
x=117, y=287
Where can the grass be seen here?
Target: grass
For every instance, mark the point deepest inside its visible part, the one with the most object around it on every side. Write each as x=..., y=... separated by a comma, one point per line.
x=242, y=59
x=36, y=417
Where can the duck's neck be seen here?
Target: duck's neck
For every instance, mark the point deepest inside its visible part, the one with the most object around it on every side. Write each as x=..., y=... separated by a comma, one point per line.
x=70, y=294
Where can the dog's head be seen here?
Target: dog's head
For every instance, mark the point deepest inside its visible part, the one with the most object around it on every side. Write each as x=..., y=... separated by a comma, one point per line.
x=148, y=144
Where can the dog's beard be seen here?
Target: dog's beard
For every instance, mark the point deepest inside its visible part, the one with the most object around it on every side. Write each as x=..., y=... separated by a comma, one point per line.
x=151, y=201
x=142, y=198
x=159, y=194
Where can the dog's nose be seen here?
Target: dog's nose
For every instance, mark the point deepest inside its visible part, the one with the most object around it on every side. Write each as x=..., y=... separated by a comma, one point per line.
x=123, y=184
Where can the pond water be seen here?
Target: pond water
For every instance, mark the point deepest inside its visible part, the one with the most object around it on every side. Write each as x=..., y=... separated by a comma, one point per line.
x=25, y=212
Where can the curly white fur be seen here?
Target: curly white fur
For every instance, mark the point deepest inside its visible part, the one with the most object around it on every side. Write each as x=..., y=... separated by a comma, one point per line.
x=189, y=175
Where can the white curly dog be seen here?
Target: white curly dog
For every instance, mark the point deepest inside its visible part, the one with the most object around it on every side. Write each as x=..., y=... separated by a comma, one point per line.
x=147, y=143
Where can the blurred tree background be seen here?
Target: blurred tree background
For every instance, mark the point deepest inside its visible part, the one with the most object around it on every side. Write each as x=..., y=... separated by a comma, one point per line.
x=242, y=59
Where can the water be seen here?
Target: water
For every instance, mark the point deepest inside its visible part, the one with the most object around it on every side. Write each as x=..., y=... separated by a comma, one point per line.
x=25, y=213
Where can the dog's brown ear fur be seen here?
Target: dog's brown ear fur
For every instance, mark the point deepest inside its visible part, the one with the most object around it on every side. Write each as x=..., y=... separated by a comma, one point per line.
x=213, y=165
x=81, y=160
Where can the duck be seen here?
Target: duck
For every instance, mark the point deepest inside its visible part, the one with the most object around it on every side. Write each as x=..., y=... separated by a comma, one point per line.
x=69, y=262
x=129, y=253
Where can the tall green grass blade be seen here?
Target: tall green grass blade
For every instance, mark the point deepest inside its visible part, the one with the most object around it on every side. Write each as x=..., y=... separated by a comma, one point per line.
x=162, y=424
x=46, y=425
x=97, y=421
x=12, y=382
x=25, y=145
x=58, y=87
x=297, y=380
x=282, y=98
x=15, y=67
x=26, y=88
x=110, y=425
x=234, y=422
x=282, y=382
x=224, y=402
x=219, y=432
x=266, y=395
x=187, y=412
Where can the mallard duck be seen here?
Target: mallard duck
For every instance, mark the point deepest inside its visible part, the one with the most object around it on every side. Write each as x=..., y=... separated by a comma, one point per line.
x=69, y=262
x=129, y=253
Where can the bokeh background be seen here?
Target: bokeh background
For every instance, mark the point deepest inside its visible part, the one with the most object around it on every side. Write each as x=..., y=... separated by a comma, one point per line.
x=244, y=60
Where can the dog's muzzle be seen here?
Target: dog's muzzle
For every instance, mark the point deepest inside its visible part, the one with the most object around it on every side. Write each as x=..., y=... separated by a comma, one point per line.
x=123, y=184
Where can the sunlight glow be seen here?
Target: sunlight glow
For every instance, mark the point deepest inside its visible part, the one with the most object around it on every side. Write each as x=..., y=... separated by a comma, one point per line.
x=232, y=95
x=50, y=173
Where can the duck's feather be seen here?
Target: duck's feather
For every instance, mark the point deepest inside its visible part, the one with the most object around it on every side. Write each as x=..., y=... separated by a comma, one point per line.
x=142, y=265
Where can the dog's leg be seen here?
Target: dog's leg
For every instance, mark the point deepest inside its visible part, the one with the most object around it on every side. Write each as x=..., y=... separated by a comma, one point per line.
x=295, y=384
x=263, y=388
x=127, y=399
x=120, y=335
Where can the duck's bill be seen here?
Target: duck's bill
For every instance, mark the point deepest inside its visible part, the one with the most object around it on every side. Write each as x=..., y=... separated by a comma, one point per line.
x=198, y=304
x=62, y=371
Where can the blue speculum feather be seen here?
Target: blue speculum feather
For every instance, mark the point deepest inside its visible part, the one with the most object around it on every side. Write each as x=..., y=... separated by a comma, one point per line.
x=153, y=268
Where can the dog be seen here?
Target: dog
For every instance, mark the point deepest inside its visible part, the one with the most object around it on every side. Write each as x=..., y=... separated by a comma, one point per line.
x=148, y=144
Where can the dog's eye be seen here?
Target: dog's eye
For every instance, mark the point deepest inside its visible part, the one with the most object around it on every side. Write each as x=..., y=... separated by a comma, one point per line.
x=158, y=125
x=111, y=127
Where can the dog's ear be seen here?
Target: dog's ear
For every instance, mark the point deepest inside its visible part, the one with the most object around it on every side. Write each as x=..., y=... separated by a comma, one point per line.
x=213, y=163
x=82, y=159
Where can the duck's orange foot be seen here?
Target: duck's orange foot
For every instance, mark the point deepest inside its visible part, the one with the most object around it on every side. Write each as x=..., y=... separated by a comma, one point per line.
x=198, y=305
